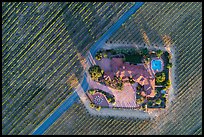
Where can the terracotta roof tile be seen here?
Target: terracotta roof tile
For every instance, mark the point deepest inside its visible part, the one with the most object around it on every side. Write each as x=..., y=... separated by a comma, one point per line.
x=138, y=72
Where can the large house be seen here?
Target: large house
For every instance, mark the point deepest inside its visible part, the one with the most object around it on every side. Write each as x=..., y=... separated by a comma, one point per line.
x=139, y=73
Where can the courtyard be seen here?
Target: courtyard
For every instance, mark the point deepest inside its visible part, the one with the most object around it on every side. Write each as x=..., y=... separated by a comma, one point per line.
x=126, y=98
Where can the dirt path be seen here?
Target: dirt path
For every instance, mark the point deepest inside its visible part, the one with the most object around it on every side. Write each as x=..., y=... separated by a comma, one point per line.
x=115, y=45
x=173, y=88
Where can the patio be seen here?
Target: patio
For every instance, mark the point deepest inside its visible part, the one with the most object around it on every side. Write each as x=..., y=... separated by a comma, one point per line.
x=124, y=98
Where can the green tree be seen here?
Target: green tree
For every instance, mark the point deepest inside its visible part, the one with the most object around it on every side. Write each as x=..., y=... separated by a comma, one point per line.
x=160, y=77
x=159, y=53
x=96, y=72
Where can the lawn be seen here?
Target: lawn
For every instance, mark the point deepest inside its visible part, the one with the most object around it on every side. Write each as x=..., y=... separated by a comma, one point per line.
x=133, y=58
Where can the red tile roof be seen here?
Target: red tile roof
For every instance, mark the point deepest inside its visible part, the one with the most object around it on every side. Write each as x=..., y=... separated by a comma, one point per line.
x=116, y=63
x=138, y=72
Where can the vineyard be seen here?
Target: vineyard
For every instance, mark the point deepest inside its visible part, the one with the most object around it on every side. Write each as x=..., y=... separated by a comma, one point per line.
x=181, y=23
x=40, y=47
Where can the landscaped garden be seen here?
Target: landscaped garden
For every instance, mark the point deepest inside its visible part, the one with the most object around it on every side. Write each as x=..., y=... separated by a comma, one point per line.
x=96, y=73
x=115, y=79
x=159, y=101
x=116, y=83
x=98, y=100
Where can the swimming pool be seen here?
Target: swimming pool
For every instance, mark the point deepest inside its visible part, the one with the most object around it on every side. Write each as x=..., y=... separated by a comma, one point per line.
x=156, y=65
x=163, y=91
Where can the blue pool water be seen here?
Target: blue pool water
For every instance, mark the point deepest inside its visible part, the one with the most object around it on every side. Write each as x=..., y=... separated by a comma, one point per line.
x=156, y=65
x=163, y=91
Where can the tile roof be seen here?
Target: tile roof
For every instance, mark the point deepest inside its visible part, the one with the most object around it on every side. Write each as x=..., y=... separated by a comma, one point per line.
x=138, y=72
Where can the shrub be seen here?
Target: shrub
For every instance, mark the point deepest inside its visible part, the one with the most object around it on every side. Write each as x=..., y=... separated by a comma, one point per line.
x=113, y=103
x=112, y=100
x=113, y=52
x=138, y=96
x=163, y=95
x=147, y=59
x=159, y=53
x=139, y=87
x=162, y=104
x=138, y=93
x=117, y=83
x=107, y=82
x=105, y=55
x=92, y=105
x=169, y=56
x=168, y=83
x=119, y=86
x=92, y=91
x=165, y=88
x=158, y=101
x=149, y=103
x=143, y=107
x=99, y=55
x=144, y=51
x=131, y=80
x=169, y=65
x=140, y=100
x=109, y=100
x=98, y=108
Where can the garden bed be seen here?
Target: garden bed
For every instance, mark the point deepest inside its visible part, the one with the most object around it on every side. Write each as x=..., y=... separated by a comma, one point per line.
x=109, y=97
